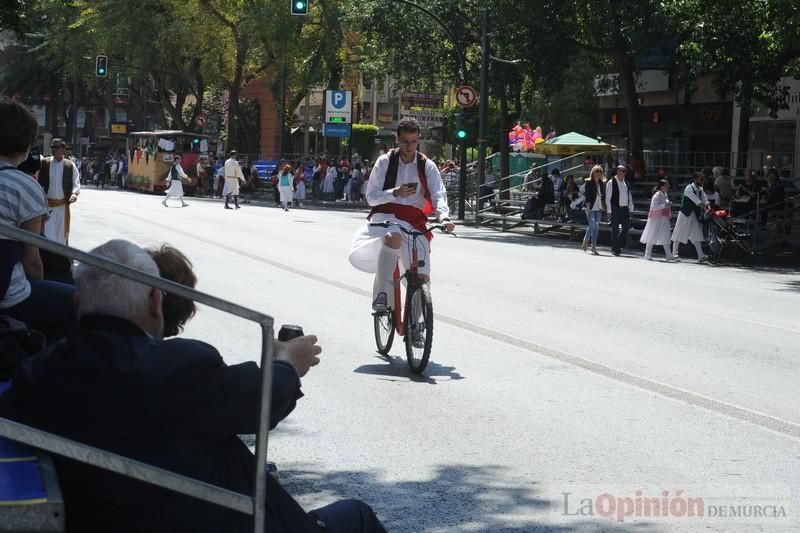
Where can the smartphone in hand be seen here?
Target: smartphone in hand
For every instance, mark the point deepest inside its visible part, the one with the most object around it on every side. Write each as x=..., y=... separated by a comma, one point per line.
x=412, y=186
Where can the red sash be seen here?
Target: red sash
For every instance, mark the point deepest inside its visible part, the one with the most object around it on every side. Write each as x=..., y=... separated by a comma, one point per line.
x=407, y=213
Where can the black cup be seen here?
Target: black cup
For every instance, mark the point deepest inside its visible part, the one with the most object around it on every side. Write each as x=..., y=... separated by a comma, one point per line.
x=289, y=331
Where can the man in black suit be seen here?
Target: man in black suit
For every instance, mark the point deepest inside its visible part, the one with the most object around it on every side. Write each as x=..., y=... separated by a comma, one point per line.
x=115, y=384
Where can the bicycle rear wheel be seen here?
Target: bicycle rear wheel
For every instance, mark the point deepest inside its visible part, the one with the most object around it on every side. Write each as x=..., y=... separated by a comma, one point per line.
x=384, y=331
x=419, y=327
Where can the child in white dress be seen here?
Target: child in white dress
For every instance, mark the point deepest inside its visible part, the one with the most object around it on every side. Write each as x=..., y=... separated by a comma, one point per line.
x=657, y=230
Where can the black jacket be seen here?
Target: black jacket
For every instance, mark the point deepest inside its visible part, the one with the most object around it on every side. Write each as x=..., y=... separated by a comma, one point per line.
x=171, y=403
x=591, y=191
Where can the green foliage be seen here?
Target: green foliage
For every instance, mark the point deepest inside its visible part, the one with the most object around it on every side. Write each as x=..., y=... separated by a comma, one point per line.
x=746, y=45
x=363, y=139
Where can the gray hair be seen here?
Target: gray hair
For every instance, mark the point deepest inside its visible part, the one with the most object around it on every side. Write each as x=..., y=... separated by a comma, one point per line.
x=102, y=292
x=717, y=171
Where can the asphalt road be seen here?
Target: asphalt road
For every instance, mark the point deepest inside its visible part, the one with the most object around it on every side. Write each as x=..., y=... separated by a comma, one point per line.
x=560, y=383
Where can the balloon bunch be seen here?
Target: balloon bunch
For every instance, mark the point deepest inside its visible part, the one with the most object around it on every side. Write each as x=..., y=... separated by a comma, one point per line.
x=524, y=139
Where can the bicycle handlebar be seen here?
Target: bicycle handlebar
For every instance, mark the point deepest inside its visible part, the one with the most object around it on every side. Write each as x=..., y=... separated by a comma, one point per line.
x=389, y=223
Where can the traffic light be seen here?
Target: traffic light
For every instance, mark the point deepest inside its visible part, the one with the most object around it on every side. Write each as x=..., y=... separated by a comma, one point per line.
x=101, y=66
x=299, y=7
x=461, y=127
x=195, y=141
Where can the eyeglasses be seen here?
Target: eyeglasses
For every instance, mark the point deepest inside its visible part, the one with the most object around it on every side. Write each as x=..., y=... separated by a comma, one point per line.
x=408, y=143
x=622, y=170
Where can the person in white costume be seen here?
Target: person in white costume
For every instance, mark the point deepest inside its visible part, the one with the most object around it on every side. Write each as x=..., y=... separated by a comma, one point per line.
x=657, y=230
x=175, y=190
x=688, y=227
x=404, y=187
x=233, y=173
x=61, y=180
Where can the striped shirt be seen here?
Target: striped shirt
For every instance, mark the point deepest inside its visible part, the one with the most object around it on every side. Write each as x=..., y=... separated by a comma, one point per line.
x=21, y=199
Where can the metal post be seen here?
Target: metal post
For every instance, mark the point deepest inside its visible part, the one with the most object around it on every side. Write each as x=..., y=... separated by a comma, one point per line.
x=462, y=180
x=306, y=133
x=282, y=118
x=484, y=109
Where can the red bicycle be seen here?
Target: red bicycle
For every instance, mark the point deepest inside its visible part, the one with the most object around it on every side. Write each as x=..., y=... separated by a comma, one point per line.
x=415, y=323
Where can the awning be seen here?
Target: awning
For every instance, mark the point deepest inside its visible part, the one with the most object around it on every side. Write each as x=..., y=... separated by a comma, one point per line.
x=572, y=143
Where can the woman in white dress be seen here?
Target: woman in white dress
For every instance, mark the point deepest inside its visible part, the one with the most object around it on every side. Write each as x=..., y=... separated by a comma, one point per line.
x=329, y=185
x=657, y=230
x=687, y=227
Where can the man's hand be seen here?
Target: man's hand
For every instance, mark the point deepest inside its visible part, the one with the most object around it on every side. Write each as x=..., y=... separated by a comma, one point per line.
x=73, y=198
x=300, y=352
x=448, y=225
x=404, y=191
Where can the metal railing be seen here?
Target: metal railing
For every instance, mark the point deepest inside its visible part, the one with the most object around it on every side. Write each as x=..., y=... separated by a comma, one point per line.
x=528, y=183
x=254, y=505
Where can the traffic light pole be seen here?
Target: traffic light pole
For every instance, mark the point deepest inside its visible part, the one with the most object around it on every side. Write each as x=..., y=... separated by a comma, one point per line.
x=462, y=180
x=484, y=108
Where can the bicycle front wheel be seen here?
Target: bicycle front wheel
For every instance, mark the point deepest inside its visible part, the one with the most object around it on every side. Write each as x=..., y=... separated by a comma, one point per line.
x=419, y=328
x=384, y=331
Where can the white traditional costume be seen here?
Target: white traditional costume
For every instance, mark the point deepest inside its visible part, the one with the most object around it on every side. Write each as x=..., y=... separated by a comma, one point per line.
x=233, y=173
x=176, y=174
x=368, y=252
x=687, y=227
x=657, y=230
x=56, y=227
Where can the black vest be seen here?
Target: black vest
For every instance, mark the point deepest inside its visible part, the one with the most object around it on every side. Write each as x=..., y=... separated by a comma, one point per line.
x=390, y=180
x=615, y=193
x=66, y=177
x=688, y=207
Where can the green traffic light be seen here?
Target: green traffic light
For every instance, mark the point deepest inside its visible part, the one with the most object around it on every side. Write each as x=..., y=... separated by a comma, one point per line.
x=299, y=7
x=462, y=134
x=195, y=141
x=101, y=70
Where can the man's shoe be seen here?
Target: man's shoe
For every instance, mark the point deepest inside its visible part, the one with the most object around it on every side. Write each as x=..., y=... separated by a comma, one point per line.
x=702, y=259
x=184, y=205
x=417, y=336
x=164, y=203
x=673, y=259
x=228, y=207
x=380, y=305
x=616, y=253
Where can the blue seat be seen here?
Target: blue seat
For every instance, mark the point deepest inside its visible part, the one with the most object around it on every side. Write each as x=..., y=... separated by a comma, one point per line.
x=30, y=498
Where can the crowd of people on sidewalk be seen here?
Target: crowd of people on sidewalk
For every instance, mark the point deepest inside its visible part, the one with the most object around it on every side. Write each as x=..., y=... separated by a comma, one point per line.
x=600, y=197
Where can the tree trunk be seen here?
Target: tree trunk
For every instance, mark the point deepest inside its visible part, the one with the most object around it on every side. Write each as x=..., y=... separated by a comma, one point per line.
x=627, y=79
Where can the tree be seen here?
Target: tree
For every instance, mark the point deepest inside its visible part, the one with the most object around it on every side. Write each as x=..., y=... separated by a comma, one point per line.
x=747, y=46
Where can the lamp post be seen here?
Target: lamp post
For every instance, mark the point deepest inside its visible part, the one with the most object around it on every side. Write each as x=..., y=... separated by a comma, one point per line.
x=484, y=108
x=462, y=180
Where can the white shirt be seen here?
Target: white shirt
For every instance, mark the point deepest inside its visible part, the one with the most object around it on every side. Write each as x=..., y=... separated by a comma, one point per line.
x=696, y=194
x=625, y=198
x=232, y=169
x=407, y=173
x=56, y=190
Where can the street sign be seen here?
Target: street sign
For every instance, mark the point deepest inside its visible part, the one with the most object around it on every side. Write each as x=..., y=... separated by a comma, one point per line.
x=426, y=118
x=336, y=130
x=466, y=96
x=426, y=100
x=339, y=105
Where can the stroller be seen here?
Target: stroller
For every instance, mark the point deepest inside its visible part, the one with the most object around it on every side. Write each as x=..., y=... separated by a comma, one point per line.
x=724, y=238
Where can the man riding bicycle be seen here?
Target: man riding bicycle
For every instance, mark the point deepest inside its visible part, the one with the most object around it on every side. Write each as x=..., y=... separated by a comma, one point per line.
x=404, y=187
